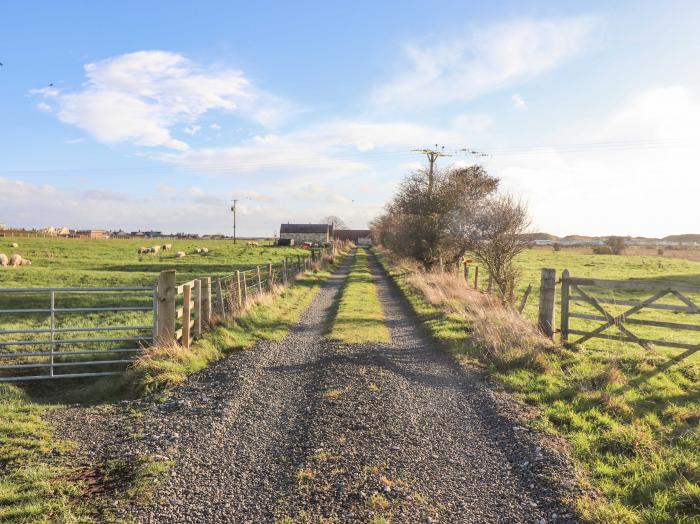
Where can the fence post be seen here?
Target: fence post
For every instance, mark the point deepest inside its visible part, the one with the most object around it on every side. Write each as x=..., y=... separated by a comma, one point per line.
x=284, y=270
x=245, y=289
x=186, y=314
x=564, y=331
x=545, y=319
x=270, y=282
x=259, y=281
x=206, y=299
x=220, y=292
x=525, y=297
x=466, y=273
x=476, y=277
x=197, y=308
x=239, y=295
x=165, y=310
x=489, y=285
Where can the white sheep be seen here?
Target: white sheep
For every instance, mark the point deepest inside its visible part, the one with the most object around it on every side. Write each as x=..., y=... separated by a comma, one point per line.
x=198, y=250
x=250, y=243
x=4, y=261
x=14, y=244
x=143, y=250
x=17, y=260
x=180, y=254
x=167, y=246
x=205, y=250
x=155, y=249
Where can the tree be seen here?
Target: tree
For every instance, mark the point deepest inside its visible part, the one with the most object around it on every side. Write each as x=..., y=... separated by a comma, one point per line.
x=500, y=233
x=617, y=245
x=334, y=221
x=427, y=218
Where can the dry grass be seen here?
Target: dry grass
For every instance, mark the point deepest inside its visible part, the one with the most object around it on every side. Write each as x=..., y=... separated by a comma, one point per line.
x=500, y=335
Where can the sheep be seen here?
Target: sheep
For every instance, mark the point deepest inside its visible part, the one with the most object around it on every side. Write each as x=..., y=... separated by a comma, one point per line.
x=155, y=249
x=251, y=244
x=143, y=250
x=14, y=244
x=198, y=250
x=17, y=260
x=205, y=250
x=180, y=254
x=167, y=246
x=4, y=261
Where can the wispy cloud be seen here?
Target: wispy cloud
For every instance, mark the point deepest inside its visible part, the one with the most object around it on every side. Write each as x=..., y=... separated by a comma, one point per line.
x=519, y=102
x=139, y=97
x=461, y=69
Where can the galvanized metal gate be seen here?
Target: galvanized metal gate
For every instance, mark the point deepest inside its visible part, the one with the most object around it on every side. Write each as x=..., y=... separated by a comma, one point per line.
x=62, y=331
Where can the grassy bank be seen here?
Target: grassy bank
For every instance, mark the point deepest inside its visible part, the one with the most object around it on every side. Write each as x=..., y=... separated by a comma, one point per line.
x=36, y=486
x=359, y=318
x=631, y=417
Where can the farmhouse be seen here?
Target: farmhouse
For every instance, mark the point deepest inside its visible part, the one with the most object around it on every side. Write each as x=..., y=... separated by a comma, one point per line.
x=92, y=233
x=315, y=233
x=361, y=237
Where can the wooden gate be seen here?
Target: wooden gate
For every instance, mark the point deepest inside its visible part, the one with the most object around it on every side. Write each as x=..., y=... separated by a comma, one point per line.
x=636, y=297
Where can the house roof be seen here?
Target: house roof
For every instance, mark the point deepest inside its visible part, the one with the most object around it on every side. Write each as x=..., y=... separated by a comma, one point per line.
x=306, y=228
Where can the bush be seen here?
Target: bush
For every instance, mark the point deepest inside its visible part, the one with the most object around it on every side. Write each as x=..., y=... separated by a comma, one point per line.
x=602, y=250
x=556, y=246
x=616, y=244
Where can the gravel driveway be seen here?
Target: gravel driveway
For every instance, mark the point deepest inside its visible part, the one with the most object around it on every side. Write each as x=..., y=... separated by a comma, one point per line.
x=308, y=430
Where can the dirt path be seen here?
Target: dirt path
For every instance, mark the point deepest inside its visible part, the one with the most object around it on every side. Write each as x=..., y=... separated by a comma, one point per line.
x=306, y=430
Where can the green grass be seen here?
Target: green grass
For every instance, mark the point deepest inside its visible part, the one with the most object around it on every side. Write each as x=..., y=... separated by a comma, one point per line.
x=630, y=416
x=360, y=318
x=37, y=488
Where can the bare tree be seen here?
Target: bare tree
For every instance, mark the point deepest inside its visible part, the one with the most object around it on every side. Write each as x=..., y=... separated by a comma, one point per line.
x=336, y=222
x=617, y=245
x=500, y=233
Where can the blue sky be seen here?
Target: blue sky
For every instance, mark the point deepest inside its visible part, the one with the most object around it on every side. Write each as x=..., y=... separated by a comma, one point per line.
x=160, y=112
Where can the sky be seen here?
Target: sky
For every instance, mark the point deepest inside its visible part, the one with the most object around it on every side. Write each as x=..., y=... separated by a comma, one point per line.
x=155, y=115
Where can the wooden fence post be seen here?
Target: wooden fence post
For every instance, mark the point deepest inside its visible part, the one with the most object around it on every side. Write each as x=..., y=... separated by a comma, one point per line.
x=489, y=285
x=206, y=299
x=525, y=297
x=165, y=309
x=245, y=289
x=220, y=292
x=270, y=282
x=186, y=314
x=259, y=280
x=284, y=270
x=466, y=273
x=476, y=277
x=197, y=308
x=545, y=319
x=564, y=330
x=239, y=294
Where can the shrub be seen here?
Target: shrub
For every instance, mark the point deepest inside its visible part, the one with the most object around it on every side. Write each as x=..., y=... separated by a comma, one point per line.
x=556, y=246
x=616, y=244
x=602, y=250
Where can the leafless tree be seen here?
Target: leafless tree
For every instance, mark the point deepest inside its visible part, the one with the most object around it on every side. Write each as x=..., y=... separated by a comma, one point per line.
x=501, y=231
x=336, y=222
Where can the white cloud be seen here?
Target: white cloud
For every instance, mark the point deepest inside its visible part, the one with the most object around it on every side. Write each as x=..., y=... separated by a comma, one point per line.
x=214, y=126
x=637, y=176
x=192, y=130
x=43, y=106
x=461, y=69
x=139, y=97
x=518, y=102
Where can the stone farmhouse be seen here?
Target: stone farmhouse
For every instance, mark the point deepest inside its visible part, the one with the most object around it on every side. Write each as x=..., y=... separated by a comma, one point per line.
x=314, y=233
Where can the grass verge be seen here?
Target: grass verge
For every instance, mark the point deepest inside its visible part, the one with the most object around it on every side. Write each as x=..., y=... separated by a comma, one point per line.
x=359, y=318
x=632, y=419
x=36, y=487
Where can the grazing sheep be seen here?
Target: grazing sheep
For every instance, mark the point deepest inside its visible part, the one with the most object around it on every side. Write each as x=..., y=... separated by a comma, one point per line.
x=167, y=246
x=155, y=249
x=198, y=250
x=17, y=260
x=180, y=254
x=250, y=243
x=144, y=250
x=4, y=260
x=205, y=250
x=14, y=244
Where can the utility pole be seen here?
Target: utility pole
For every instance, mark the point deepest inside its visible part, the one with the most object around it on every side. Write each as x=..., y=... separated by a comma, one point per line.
x=432, y=155
x=233, y=208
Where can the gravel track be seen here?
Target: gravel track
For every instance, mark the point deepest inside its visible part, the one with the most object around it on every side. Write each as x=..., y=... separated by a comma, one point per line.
x=310, y=429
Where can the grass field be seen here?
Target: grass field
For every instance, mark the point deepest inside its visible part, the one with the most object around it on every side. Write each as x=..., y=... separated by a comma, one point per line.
x=359, y=318
x=631, y=416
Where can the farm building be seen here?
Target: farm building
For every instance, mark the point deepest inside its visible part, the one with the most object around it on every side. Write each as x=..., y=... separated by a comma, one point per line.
x=315, y=233
x=361, y=237
x=92, y=233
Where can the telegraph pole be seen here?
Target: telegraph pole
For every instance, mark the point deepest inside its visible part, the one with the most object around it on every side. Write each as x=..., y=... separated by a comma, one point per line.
x=432, y=155
x=233, y=208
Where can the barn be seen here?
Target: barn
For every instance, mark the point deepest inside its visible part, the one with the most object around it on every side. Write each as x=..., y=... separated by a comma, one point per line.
x=361, y=237
x=314, y=233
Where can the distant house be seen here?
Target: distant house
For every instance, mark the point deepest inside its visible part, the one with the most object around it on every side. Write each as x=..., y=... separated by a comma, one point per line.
x=92, y=233
x=314, y=233
x=361, y=237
